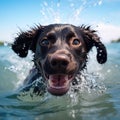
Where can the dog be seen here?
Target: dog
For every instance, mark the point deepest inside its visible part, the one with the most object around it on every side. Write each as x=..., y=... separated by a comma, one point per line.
x=60, y=53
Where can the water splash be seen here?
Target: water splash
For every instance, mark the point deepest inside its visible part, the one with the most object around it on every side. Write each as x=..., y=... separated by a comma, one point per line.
x=86, y=82
x=52, y=11
x=20, y=67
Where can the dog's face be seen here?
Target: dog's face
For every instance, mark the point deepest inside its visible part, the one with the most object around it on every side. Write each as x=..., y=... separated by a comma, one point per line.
x=60, y=52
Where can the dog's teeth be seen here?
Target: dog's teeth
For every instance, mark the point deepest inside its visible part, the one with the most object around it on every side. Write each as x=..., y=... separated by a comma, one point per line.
x=66, y=77
x=50, y=83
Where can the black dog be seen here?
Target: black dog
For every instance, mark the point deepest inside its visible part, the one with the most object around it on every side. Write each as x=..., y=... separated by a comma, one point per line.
x=60, y=52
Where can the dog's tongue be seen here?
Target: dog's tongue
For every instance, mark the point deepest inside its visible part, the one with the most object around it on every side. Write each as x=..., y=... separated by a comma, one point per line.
x=58, y=80
x=58, y=84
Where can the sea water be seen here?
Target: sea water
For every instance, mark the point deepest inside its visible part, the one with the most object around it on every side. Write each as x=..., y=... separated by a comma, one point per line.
x=98, y=96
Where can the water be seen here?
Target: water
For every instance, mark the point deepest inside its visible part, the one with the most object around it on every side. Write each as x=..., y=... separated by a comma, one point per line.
x=98, y=96
x=68, y=11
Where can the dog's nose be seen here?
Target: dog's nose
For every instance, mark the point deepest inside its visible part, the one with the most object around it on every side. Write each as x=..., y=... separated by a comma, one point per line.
x=59, y=61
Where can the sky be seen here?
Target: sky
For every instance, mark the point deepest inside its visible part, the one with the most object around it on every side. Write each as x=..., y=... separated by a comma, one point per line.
x=102, y=15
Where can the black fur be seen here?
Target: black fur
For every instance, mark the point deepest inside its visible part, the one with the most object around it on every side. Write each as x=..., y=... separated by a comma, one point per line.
x=59, y=49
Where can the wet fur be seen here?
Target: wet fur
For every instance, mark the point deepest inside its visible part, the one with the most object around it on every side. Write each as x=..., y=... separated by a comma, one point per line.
x=29, y=40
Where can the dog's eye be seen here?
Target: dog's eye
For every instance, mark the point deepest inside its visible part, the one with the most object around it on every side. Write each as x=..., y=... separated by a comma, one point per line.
x=76, y=42
x=45, y=42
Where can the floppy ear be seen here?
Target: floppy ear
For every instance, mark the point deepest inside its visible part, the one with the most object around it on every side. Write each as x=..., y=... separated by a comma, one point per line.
x=91, y=39
x=26, y=41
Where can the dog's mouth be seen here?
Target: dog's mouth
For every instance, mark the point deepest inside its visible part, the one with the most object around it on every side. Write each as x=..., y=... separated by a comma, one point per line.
x=58, y=84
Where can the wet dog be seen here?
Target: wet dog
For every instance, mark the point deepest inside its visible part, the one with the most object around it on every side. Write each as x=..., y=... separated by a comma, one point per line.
x=60, y=52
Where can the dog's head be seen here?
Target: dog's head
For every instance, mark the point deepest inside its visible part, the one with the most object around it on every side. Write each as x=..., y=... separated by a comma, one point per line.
x=60, y=52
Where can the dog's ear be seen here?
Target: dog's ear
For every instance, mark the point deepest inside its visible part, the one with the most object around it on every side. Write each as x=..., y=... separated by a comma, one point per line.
x=92, y=39
x=26, y=41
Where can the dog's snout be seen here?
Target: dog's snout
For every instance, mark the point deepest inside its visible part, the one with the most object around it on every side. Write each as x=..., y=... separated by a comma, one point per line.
x=59, y=61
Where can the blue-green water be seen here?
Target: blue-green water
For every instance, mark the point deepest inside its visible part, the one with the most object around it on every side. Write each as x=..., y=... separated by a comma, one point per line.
x=101, y=102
